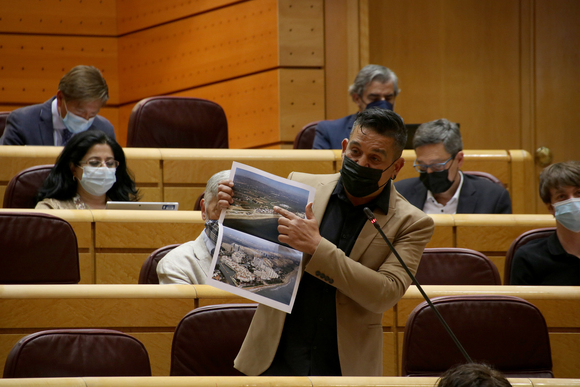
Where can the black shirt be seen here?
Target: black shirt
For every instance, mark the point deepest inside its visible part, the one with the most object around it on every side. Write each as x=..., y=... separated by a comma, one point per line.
x=545, y=262
x=308, y=345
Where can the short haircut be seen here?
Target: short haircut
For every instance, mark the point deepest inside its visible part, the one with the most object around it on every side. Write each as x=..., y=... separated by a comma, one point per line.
x=84, y=83
x=371, y=73
x=559, y=175
x=211, y=188
x=384, y=122
x=472, y=375
x=439, y=131
x=60, y=183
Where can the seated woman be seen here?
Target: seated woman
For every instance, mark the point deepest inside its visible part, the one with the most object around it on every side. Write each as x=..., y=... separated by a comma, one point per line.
x=90, y=170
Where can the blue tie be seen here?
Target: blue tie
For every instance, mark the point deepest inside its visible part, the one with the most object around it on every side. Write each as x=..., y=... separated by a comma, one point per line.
x=66, y=135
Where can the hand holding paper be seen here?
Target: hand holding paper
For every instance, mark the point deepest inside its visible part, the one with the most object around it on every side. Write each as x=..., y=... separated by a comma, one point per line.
x=225, y=194
x=300, y=234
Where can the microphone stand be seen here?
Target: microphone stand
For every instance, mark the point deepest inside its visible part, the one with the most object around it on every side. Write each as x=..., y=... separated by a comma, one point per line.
x=371, y=216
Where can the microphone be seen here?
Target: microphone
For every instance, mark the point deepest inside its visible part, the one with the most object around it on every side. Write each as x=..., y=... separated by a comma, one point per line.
x=373, y=221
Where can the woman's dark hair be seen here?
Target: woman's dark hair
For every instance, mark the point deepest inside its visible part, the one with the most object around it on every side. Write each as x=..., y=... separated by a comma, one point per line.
x=60, y=184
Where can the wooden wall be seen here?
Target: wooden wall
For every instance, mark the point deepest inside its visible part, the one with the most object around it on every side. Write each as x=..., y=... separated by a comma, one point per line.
x=261, y=60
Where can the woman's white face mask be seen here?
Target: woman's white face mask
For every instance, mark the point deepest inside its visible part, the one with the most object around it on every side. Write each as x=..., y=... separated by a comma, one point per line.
x=98, y=180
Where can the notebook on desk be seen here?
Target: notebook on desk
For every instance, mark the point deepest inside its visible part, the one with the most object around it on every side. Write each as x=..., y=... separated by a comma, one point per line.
x=161, y=206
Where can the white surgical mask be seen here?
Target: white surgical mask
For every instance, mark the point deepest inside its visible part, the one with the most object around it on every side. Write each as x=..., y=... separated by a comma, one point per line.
x=98, y=180
x=567, y=213
x=74, y=123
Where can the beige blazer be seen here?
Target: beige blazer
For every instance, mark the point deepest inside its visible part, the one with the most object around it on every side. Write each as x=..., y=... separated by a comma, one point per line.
x=368, y=283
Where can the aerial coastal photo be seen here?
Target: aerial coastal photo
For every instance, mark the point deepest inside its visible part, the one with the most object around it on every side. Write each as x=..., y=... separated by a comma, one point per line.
x=255, y=196
x=258, y=266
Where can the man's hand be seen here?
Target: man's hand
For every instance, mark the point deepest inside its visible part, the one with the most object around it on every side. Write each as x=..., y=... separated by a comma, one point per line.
x=300, y=234
x=225, y=194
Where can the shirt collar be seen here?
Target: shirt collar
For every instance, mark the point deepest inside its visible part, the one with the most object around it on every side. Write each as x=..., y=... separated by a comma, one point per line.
x=208, y=242
x=57, y=123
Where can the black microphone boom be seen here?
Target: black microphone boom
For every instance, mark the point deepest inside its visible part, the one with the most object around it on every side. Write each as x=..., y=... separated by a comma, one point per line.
x=373, y=220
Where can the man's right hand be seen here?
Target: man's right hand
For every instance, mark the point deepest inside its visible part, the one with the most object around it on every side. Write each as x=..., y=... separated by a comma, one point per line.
x=225, y=194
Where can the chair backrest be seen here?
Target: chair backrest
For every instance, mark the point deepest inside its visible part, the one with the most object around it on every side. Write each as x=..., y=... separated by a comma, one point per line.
x=3, y=118
x=456, y=266
x=485, y=175
x=305, y=137
x=148, y=273
x=207, y=340
x=521, y=240
x=77, y=353
x=506, y=332
x=177, y=122
x=22, y=188
x=37, y=248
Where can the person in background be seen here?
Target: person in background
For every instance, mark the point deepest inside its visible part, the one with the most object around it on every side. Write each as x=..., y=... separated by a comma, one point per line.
x=472, y=375
x=375, y=86
x=90, y=170
x=81, y=94
x=351, y=276
x=190, y=263
x=554, y=260
x=441, y=187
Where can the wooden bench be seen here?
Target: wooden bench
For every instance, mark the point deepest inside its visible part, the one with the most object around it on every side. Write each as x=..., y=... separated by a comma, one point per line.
x=151, y=313
x=113, y=244
x=181, y=174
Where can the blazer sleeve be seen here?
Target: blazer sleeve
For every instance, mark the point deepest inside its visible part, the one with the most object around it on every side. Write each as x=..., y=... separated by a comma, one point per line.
x=504, y=203
x=375, y=289
x=321, y=137
x=12, y=132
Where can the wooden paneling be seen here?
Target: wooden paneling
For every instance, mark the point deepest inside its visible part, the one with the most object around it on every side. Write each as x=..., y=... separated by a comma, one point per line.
x=59, y=17
x=151, y=312
x=133, y=15
x=31, y=66
x=557, y=66
x=229, y=42
x=454, y=59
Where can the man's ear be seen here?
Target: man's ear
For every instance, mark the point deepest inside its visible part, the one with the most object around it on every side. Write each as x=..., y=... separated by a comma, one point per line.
x=202, y=205
x=460, y=159
x=551, y=209
x=398, y=166
x=344, y=145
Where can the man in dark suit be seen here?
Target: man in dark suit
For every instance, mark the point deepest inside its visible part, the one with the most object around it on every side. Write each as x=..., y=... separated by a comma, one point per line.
x=81, y=94
x=374, y=86
x=441, y=187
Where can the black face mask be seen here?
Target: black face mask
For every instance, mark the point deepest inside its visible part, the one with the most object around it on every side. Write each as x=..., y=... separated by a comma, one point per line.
x=436, y=182
x=380, y=104
x=360, y=181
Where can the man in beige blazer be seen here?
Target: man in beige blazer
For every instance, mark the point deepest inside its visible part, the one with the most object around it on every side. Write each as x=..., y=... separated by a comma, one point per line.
x=350, y=275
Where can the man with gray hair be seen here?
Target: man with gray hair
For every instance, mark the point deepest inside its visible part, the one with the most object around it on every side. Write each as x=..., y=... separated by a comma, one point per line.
x=375, y=86
x=81, y=94
x=190, y=262
x=441, y=187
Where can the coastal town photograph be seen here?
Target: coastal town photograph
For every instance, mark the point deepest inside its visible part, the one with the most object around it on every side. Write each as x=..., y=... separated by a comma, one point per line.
x=268, y=271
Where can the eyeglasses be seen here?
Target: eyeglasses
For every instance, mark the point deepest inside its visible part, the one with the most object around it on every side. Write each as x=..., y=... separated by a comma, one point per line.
x=435, y=167
x=95, y=163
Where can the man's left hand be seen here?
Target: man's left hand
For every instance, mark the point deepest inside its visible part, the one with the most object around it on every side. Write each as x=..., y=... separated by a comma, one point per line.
x=300, y=234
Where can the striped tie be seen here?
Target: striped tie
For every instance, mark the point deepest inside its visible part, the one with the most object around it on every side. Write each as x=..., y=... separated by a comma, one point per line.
x=66, y=135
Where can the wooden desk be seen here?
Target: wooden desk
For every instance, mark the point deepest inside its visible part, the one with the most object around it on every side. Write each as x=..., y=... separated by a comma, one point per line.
x=151, y=313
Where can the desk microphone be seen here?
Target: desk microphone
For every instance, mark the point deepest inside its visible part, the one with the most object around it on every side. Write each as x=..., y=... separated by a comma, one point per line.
x=373, y=220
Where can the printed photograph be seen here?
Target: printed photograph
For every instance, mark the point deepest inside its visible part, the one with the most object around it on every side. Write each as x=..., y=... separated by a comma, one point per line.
x=255, y=195
x=256, y=269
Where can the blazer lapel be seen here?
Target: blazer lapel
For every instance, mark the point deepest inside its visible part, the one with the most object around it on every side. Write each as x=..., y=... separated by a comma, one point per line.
x=467, y=197
x=45, y=127
x=369, y=232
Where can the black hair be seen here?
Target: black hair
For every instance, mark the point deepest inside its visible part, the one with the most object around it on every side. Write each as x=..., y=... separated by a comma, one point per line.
x=472, y=375
x=384, y=122
x=60, y=184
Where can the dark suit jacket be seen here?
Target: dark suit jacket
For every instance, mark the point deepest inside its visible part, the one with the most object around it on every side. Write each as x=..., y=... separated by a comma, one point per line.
x=329, y=134
x=32, y=125
x=478, y=195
